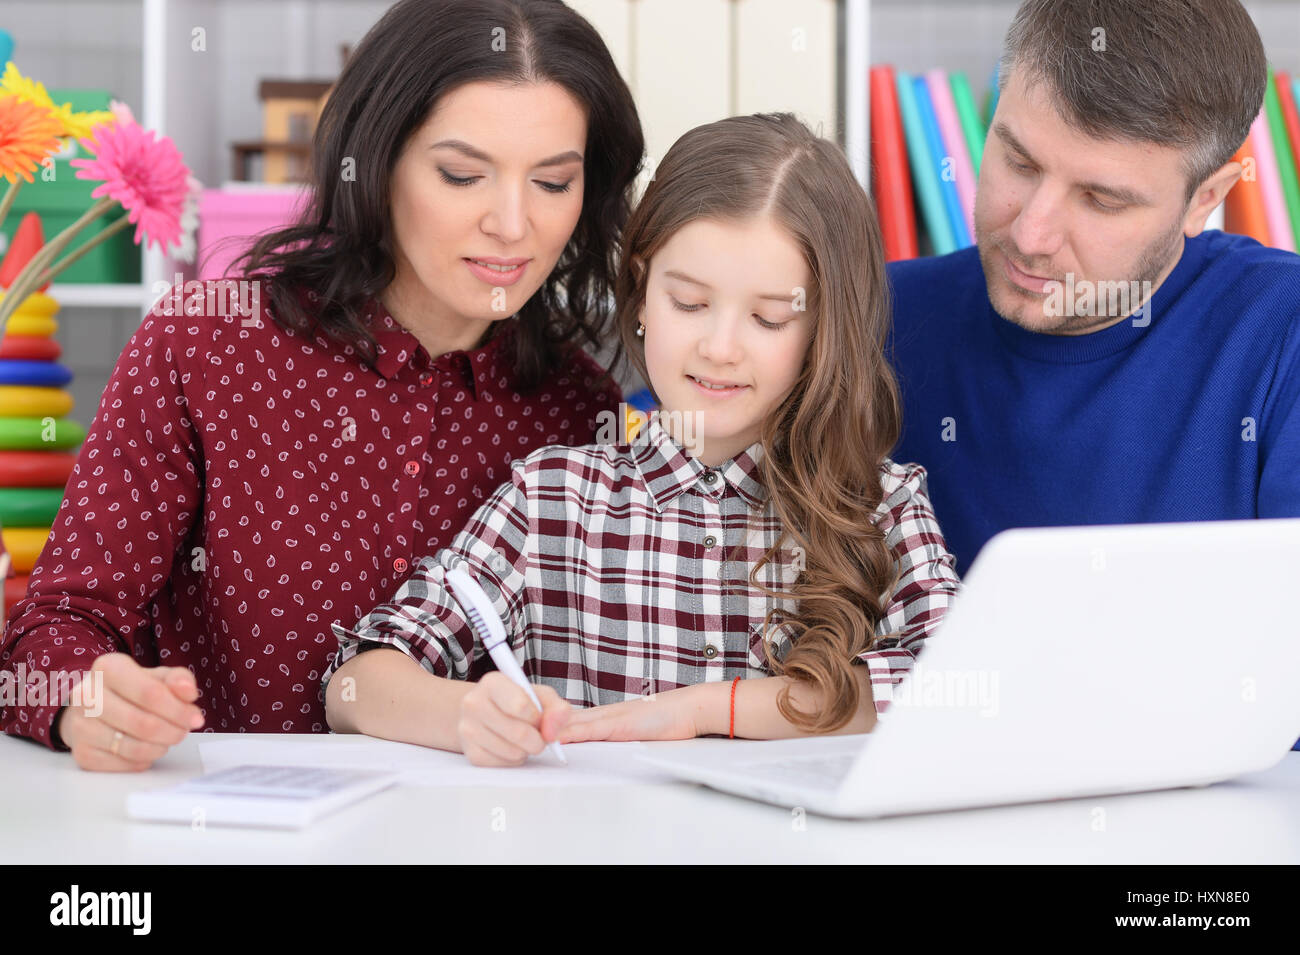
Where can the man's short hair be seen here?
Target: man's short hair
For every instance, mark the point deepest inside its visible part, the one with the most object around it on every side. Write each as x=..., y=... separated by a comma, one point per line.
x=1184, y=73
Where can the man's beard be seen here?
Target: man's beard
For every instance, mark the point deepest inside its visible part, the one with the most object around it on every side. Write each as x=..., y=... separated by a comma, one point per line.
x=1153, y=261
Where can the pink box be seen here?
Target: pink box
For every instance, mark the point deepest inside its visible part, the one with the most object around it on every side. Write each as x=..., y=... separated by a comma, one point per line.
x=231, y=217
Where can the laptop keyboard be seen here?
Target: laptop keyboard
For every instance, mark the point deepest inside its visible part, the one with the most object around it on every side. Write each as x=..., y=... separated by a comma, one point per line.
x=828, y=771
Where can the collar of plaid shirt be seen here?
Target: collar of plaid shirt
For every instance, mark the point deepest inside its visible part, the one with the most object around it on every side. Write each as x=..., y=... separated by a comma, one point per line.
x=668, y=470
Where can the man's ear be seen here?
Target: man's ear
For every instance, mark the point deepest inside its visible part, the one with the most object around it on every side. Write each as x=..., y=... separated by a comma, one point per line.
x=1208, y=197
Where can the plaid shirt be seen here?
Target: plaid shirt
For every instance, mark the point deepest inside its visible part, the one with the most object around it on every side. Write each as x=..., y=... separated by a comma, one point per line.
x=607, y=565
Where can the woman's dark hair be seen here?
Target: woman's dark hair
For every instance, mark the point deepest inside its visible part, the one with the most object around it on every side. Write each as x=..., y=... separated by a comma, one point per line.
x=342, y=246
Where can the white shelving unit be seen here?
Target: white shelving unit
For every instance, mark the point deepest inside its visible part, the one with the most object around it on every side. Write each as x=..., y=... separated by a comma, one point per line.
x=88, y=295
x=856, y=47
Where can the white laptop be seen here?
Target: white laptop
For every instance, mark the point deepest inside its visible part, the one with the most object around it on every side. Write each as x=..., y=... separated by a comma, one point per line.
x=1078, y=661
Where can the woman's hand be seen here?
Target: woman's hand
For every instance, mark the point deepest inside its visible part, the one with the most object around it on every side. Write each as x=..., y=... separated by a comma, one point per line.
x=500, y=726
x=142, y=713
x=671, y=715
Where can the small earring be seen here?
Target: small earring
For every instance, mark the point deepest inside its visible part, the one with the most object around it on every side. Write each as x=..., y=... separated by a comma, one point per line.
x=640, y=331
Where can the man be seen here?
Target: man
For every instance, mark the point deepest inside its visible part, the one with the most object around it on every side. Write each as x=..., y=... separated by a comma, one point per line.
x=1099, y=358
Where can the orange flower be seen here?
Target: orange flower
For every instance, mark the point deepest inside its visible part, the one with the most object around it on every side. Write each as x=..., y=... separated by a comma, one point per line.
x=28, y=133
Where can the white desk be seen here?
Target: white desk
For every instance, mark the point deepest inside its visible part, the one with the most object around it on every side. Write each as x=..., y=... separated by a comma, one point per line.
x=53, y=812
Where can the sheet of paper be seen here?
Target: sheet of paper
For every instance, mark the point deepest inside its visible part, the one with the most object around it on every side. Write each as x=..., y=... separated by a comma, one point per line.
x=590, y=764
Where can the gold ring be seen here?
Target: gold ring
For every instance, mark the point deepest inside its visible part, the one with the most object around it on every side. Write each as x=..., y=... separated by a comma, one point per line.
x=117, y=741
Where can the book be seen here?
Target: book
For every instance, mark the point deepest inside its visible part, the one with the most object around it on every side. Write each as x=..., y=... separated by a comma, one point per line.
x=954, y=142
x=971, y=124
x=1243, y=209
x=991, y=99
x=1286, y=165
x=943, y=171
x=1270, y=185
x=891, y=181
x=925, y=174
x=1290, y=113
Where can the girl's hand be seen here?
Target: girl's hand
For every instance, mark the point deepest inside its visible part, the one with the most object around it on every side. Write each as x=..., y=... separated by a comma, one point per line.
x=142, y=713
x=500, y=726
x=670, y=715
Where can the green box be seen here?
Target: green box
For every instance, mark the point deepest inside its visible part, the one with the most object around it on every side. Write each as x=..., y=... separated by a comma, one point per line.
x=62, y=200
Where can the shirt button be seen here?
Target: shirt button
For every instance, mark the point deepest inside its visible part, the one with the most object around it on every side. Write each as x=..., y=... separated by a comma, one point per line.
x=710, y=477
x=400, y=565
x=710, y=651
x=710, y=541
x=426, y=378
x=412, y=468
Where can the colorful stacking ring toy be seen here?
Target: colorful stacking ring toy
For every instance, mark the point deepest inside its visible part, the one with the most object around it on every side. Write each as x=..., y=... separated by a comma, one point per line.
x=38, y=374
x=28, y=434
x=29, y=506
x=36, y=468
x=35, y=432
x=21, y=323
x=36, y=303
x=24, y=545
x=15, y=590
x=24, y=401
x=32, y=347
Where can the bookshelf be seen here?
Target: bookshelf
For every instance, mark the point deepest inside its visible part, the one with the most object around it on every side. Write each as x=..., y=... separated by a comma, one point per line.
x=966, y=36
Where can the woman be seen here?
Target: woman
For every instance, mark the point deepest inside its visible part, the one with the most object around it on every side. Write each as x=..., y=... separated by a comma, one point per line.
x=250, y=479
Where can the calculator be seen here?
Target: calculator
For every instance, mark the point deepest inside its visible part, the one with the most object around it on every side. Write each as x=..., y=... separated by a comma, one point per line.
x=267, y=797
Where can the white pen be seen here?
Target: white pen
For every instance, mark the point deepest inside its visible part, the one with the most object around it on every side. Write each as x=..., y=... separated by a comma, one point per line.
x=490, y=629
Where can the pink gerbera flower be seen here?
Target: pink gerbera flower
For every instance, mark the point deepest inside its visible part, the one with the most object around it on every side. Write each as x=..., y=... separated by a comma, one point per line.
x=145, y=174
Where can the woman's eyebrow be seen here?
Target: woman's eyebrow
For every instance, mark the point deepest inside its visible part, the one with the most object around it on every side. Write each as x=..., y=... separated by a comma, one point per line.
x=474, y=153
x=674, y=274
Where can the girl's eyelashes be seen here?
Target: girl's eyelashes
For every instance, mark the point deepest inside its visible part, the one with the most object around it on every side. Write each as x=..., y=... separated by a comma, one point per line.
x=774, y=326
x=553, y=187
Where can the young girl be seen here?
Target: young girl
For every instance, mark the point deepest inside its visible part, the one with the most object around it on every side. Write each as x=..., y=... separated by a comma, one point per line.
x=752, y=563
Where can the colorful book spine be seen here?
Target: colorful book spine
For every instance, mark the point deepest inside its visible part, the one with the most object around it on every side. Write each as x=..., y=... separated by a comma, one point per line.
x=1290, y=114
x=892, y=183
x=954, y=142
x=991, y=99
x=941, y=170
x=1285, y=159
x=925, y=174
x=971, y=125
x=1270, y=184
x=1295, y=96
x=1243, y=209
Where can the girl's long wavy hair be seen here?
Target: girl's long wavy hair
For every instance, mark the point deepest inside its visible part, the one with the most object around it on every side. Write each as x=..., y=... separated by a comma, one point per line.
x=342, y=246
x=824, y=446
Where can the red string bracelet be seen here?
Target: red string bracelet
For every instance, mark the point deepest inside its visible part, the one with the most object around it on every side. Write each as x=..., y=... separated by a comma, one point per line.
x=731, y=733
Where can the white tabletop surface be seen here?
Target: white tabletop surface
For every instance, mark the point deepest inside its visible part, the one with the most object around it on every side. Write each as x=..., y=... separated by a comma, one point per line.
x=53, y=812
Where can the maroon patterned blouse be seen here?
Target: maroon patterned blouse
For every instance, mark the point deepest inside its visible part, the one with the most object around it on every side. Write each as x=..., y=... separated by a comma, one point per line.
x=241, y=488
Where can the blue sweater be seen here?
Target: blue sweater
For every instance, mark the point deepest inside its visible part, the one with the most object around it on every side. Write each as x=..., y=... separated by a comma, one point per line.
x=1195, y=416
